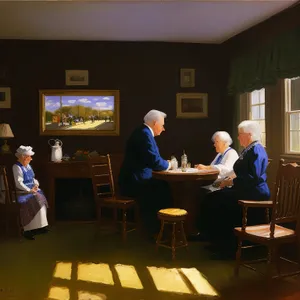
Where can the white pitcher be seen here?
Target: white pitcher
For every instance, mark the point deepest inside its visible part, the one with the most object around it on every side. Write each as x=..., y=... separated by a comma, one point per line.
x=56, y=154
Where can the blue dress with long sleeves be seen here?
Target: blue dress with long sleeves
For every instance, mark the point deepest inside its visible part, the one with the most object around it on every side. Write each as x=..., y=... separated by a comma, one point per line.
x=220, y=211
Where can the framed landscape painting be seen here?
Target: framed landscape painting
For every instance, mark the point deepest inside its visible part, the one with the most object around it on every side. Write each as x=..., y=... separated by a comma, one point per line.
x=191, y=105
x=79, y=112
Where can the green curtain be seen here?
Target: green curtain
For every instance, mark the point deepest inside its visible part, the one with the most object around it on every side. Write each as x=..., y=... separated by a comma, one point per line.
x=279, y=58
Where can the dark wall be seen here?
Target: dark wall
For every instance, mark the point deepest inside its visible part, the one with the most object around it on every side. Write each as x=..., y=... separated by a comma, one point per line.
x=147, y=75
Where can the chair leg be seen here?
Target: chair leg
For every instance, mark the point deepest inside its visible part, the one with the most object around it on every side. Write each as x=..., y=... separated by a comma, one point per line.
x=124, y=225
x=183, y=235
x=115, y=216
x=160, y=234
x=173, y=240
x=137, y=217
x=277, y=260
x=98, y=222
x=238, y=256
x=269, y=262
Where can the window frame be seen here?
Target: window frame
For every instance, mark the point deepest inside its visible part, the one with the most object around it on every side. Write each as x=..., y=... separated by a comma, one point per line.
x=287, y=113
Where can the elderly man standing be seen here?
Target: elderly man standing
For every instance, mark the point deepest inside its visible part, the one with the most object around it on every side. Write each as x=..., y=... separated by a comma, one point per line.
x=141, y=158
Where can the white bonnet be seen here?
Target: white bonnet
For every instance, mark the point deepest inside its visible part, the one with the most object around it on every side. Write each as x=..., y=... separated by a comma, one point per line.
x=24, y=150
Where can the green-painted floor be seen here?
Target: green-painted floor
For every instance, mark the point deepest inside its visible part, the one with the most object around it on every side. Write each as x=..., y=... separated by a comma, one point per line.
x=70, y=263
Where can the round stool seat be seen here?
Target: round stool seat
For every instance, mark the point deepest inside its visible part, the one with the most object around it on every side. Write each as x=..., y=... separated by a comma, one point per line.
x=173, y=212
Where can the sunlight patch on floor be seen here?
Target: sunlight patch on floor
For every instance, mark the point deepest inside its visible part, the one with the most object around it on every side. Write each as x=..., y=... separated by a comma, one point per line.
x=84, y=295
x=201, y=285
x=128, y=276
x=168, y=280
x=99, y=273
x=63, y=270
x=59, y=293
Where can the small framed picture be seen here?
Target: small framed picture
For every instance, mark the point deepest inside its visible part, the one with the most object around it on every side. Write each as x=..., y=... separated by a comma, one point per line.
x=187, y=77
x=5, y=100
x=77, y=77
x=191, y=105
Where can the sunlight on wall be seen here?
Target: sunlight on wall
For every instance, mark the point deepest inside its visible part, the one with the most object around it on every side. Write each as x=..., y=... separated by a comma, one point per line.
x=99, y=273
x=200, y=284
x=59, y=293
x=168, y=280
x=83, y=295
x=63, y=270
x=128, y=277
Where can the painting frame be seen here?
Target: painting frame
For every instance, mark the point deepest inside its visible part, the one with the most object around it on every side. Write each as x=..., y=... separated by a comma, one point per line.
x=85, y=116
x=77, y=77
x=5, y=97
x=191, y=105
x=187, y=77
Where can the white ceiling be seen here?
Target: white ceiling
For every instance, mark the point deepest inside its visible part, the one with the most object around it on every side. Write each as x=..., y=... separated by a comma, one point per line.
x=210, y=21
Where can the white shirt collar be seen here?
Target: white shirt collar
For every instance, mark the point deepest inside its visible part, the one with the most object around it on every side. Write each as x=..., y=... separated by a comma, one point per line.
x=150, y=129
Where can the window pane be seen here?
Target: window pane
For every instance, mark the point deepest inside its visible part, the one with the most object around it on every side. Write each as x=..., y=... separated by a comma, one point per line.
x=295, y=94
x=255, y=112
x=262, y=111
x=263, y=139
x=295, y=121
x=262, y=124
x=254, y=97
x=262, y=96
x=294, y=141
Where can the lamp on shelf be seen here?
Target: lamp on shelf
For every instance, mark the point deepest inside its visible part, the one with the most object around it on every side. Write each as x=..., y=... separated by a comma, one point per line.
x=5, y=133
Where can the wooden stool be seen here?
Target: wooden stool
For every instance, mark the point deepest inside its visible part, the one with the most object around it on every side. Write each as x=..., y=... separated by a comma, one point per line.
x=174, y=217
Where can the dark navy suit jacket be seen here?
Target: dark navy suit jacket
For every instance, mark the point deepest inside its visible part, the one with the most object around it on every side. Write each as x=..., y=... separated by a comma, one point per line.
x=141, y=157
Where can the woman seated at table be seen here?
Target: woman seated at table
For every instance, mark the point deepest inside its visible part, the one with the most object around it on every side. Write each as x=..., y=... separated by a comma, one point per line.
x=249, y=182
x=32, y=202
x=224, y=160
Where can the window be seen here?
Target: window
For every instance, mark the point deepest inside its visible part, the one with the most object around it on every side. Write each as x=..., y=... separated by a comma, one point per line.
x=292, y=115
x=256, y=109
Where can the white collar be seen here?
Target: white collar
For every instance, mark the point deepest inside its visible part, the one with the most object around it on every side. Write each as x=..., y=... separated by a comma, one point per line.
x=150, y=129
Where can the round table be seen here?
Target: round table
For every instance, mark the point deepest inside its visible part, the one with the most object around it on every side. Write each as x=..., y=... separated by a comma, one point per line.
x=185, y=188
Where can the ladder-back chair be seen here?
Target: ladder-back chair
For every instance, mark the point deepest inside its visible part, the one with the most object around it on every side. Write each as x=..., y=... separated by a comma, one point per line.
x=285, y=207
x=10, y=209
x=105, y=194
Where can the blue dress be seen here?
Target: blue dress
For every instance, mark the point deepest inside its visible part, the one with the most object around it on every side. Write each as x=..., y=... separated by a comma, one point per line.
x=30, y=203
x=220, y=211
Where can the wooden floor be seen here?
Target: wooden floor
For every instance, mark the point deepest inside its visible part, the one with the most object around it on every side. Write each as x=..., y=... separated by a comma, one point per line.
x=70, y=263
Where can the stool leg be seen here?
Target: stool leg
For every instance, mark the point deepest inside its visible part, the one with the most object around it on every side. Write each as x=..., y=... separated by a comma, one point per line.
x=183, y=235
x=162, y=225
x=124, y=225
x=173, y=240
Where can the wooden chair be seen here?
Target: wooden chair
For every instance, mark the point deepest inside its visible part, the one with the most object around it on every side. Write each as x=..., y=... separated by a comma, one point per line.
x=285, y=209
x=10, y=209
x=105, y=194
x=174, y=217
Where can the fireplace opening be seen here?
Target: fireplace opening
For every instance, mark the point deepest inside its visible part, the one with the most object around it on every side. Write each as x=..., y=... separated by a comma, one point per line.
x=74, y=200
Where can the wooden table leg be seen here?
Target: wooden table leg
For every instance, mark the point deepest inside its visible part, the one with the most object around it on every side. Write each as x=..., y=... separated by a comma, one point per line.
x=186, y=195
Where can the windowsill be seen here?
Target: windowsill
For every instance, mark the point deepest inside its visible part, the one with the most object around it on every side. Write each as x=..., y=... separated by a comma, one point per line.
x=290, y=156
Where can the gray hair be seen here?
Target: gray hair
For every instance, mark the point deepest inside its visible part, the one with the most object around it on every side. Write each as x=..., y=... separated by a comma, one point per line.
x=153, y=116
x=223, y=136
x=252, y=127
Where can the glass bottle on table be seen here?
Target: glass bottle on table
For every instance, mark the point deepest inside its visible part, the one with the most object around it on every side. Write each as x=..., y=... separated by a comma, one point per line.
x=184, y=161
x=174, y=163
